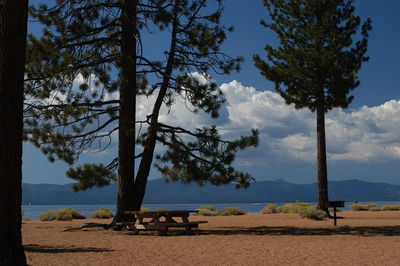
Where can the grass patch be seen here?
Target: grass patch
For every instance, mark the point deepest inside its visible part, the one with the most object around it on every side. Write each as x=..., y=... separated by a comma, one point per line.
x=373, y=207
x=65, y=214
x=390, y=208
x=231, y=211
x=211, y=211
x=363, y=207
x=206, y=207
x=102, y=213
x=207, y=212
x=295, y=207
x=269, y=209
x=305, y=210
x=312, y=213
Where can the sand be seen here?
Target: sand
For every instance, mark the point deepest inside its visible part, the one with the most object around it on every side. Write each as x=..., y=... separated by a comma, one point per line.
x=362, y=238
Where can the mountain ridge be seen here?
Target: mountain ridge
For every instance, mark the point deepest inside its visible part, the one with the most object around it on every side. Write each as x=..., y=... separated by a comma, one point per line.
x=262, y=191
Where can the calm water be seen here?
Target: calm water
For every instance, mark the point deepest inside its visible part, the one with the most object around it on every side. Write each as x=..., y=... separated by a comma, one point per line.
x=31, y=211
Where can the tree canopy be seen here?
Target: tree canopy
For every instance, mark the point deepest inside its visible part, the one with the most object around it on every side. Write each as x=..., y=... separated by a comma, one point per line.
x=316, y=63
x=85, y=40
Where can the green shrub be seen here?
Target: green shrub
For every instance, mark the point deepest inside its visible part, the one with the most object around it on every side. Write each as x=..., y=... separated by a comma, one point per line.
x=293, y=207
x=375, y=209
x=363, y=207
x=231, y=211
x=390, y=208
x=211, y=211
x=207, y=212
x=65, y=214
x=356, y=207
x=102, y=213
x=312, y=213
x=269, y=209
x=49, y=215
x=206, y=207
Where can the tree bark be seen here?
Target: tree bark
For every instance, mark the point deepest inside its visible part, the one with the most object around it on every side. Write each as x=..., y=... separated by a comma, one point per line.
x=13, y=30
x=321, y=161
x=148, y=152
x=126, y=148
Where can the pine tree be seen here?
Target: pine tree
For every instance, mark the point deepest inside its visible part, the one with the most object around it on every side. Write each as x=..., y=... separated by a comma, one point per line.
x=316, y=64
x=13, y=30
x=86, y=39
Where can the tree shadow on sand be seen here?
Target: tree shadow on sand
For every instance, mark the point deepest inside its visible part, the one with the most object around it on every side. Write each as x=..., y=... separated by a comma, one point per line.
x=62, y=249
x=296, y=231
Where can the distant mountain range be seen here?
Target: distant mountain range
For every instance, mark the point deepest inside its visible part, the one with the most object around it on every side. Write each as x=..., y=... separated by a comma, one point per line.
x=262, y=191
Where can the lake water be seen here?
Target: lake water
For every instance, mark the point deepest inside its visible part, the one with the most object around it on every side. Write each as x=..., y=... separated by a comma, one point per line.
x=31, y=211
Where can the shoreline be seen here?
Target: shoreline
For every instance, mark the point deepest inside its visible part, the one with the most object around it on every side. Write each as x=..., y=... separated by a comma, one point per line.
x=31, y=211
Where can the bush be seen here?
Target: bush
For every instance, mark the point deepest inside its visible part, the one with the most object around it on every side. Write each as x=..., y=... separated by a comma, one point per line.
x=375, y=209
x=312, y=213
x=207, y=212
x=49, y=215
x=102, y=213
x=231, y=211
x=390, y=208
x=293, y=207
x=211, y=211
x=269, y=209
x=65, y=214
x=363, y=207
x=206, y=207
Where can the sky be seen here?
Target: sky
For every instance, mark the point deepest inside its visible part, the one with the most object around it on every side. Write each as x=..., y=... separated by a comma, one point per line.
x=363, y=141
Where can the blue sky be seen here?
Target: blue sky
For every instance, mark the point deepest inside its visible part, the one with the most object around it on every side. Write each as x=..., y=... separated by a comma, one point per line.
x=363, y=143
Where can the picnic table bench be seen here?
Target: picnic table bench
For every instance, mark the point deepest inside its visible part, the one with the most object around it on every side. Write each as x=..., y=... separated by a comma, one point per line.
x=161, y=220
x=334, y=205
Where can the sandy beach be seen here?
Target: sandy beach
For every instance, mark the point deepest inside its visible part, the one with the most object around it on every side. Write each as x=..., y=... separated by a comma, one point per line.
x=362, y=238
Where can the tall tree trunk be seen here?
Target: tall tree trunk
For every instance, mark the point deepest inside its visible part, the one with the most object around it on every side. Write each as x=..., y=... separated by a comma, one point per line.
x=13, y=27
x=144, y=169
x=127, y=114
x=148, y=152
x=321, y=161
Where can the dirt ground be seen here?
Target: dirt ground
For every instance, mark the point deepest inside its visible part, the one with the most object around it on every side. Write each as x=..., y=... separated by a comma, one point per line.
x=362, y=238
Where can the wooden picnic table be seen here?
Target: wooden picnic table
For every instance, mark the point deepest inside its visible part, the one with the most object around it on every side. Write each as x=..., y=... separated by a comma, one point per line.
x=161, y=220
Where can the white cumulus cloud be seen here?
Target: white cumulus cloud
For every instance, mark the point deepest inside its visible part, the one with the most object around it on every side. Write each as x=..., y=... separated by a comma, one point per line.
x=287, y=135
x=366, y=134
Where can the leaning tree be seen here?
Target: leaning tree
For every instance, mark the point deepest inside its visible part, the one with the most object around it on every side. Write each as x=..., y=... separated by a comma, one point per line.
x=316, y=64
x=13, y=29
x=90, y=40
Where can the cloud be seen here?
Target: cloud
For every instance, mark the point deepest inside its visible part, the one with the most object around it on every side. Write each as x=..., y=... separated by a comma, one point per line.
x=287, y=135
x=369, y=134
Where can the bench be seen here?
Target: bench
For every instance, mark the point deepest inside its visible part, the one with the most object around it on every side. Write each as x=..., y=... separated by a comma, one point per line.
x=160, y=221
x=334, y=205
